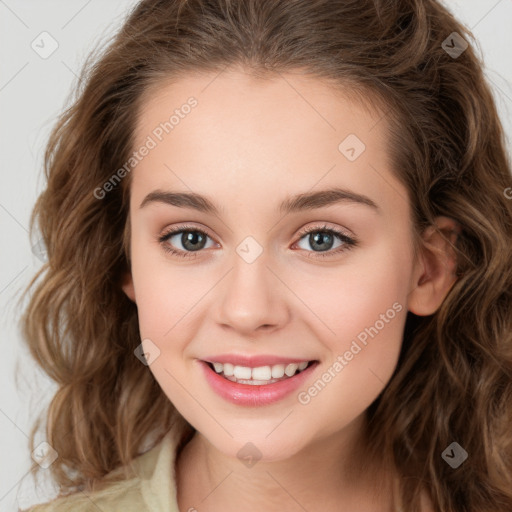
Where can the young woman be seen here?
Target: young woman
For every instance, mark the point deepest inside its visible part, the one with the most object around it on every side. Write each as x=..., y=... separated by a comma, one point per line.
x=279, y=271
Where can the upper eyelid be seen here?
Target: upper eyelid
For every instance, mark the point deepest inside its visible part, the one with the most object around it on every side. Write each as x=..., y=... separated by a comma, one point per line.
x=186, y=227
x=326, y=227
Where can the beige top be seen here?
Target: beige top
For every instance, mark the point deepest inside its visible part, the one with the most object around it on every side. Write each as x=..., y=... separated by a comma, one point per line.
x=152, y=488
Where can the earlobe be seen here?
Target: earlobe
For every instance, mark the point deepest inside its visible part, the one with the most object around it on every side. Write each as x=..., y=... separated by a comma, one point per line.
x=127, y=286
x=435, y=269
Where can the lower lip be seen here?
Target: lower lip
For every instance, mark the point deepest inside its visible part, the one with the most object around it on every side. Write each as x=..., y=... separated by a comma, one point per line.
x=253, y=396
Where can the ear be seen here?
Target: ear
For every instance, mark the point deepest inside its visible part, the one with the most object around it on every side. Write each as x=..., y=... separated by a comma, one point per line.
x=435, y=268
x=127, y=285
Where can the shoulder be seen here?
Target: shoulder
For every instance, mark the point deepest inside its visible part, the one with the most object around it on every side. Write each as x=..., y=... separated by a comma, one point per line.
x=129, y=494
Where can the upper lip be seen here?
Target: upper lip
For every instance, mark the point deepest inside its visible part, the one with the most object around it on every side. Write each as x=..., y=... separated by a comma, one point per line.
x=255, y=360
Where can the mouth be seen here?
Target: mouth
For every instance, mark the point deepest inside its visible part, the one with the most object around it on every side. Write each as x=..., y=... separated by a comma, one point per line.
x=257, y=386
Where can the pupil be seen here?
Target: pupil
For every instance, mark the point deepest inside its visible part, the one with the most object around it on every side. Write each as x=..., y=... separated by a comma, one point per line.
x=190, y=239
x=319, y=240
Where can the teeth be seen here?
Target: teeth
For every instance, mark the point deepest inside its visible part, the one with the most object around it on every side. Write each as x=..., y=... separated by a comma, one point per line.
x=291, y=369
x=277, y=371
x=228, y=369
x=262, y=373
x=242, y=372
x=259, y=375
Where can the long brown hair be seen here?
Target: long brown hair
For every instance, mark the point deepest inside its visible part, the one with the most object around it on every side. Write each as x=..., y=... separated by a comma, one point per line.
x=453, y=381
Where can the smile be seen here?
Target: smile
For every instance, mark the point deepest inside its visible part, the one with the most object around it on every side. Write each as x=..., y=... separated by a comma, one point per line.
x=261, y=375
x=256, y=386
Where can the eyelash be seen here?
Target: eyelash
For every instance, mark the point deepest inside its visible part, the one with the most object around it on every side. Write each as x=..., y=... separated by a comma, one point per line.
x=349, y=242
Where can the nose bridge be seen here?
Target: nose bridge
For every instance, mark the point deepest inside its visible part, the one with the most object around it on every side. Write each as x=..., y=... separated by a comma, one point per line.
x=251, y=296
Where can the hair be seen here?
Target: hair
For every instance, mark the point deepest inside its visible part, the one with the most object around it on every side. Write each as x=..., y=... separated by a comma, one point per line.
x=453, y=380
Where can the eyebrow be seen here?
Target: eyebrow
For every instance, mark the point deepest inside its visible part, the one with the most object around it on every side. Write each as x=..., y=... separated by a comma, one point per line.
x=296, y=203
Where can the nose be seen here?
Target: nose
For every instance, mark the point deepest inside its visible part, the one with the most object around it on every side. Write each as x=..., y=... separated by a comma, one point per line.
x=251, y=298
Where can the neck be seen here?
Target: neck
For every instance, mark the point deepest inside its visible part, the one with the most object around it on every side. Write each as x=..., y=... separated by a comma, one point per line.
x=334, y=468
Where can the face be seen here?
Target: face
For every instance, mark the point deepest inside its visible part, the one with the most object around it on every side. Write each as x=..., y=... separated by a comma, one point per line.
x=247, y=284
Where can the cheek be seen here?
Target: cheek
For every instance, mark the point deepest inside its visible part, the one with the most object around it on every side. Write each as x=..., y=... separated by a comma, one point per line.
x=361, y=354
x=353, y=296
x=165, y=293
x=167, y=302
x=362, y=311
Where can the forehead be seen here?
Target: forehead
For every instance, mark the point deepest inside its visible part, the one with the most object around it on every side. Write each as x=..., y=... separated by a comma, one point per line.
x=315, y=100
x=245, y=133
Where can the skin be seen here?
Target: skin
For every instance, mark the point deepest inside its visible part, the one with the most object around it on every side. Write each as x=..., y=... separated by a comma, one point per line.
x=248, y=145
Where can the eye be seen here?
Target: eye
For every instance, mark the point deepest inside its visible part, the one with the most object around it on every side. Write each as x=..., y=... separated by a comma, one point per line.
x=191, y=239
x=322, y=239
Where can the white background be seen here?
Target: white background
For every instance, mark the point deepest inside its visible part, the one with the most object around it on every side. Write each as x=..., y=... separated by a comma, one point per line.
x=32, y=93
